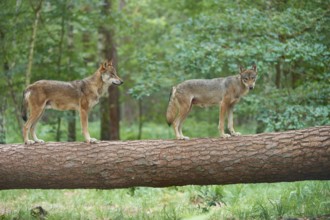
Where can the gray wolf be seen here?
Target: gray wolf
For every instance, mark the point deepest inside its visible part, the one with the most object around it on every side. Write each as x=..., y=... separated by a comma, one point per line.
x=79, y=95
x=225, y=92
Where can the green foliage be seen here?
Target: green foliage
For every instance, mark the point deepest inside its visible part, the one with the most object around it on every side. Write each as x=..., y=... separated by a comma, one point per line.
x=297, y=117
x=161, y=43
x=306, y=106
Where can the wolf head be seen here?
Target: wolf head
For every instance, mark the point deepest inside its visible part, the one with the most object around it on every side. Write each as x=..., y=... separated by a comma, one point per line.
x=249, y=76
x=109, y=74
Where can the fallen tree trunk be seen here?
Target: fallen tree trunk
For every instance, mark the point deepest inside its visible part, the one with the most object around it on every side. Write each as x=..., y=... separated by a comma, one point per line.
x=270, y=157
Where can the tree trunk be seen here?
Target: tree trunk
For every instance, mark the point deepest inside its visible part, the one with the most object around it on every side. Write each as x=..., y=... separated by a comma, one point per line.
x=110, y=114
x=2, y=120
x=72, y=114
x=104, y=51
x=3, y=106
x=72, y=126
x=58, y=128
x=278, y=73
x=139, y=136
x=105, y=119
x=114, y=112
x=270, y=157
x=14, y=98
x=59, y=66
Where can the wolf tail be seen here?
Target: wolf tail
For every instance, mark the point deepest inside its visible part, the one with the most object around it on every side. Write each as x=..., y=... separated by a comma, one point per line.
x=171, y=108
x=24, y=106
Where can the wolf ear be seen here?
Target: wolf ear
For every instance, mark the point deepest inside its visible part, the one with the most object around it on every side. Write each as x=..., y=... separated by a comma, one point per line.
x=103, y=65
x=110, y=62
x=241, y=69
x=254, y=67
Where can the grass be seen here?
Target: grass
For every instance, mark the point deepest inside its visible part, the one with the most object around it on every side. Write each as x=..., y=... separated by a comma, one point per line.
x=240, y=201
x=310, y=199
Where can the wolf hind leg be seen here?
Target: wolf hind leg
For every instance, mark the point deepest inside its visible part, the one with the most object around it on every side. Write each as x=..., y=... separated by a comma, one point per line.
x=184, y=109
x=35, y=113
x=33, y=127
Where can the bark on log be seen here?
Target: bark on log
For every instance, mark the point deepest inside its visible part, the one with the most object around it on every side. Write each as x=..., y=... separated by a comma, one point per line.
x=269, y=157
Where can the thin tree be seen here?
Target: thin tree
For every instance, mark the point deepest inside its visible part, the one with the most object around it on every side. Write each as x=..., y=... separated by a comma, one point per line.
x=59, y=62
x=72, y=114
x=37, y=11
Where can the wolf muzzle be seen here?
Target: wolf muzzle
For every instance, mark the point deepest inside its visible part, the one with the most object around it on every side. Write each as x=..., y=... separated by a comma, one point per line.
x=118, y=84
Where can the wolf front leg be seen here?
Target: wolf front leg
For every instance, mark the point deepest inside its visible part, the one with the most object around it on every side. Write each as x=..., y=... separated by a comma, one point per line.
x=231, y=122
x=223, y=110
x=84, y=125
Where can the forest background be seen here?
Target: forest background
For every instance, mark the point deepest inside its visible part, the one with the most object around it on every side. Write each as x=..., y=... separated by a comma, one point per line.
x=157, y=44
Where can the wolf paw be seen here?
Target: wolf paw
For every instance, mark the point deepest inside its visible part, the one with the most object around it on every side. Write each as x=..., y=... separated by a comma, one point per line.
x=92, y=141
x=225, y=135
x=29, y=142
x=234, y=133
x=183, y=138
x=39, y=141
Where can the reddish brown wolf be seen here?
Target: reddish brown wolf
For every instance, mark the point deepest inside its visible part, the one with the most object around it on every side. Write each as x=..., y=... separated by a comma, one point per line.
x=225, y=92
x=80, y=95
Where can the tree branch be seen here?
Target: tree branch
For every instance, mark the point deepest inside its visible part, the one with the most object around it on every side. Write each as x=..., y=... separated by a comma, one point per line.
x=270, y=157
x=37, y=11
